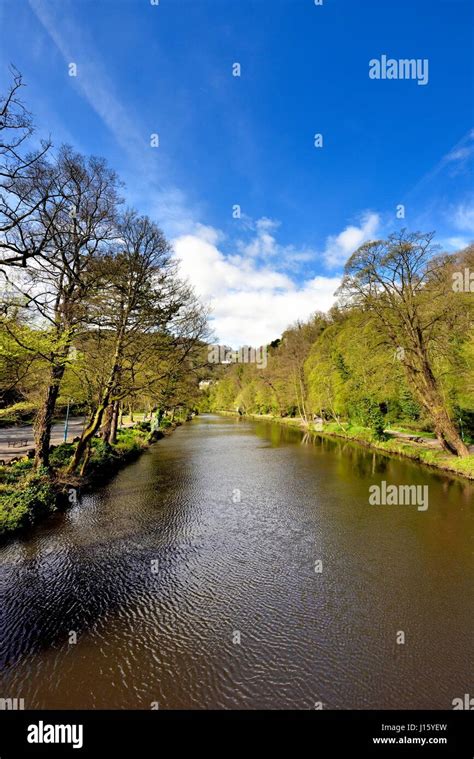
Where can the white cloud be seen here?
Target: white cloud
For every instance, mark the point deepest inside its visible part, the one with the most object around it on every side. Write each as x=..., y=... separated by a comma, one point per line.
x=340, y=247
x=464, y=217
x=265, y=246
x=455, y=243
x=251, y=304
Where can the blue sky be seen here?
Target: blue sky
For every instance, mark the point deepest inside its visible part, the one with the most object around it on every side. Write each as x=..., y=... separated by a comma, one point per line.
x=144, y=69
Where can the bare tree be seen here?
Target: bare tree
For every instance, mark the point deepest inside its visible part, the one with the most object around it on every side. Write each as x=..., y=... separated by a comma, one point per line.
x=22, y=170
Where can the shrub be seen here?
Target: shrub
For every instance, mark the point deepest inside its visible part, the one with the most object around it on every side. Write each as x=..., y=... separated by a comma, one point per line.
x=102, y=454
x=124, y=447
x=143, y=426
x=369, y=413
x=22, y=507
x=377, y=423
x=61, y=454
x=11, y=473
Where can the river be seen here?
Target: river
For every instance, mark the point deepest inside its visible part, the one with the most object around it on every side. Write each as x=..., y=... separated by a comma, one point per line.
x=239, y=564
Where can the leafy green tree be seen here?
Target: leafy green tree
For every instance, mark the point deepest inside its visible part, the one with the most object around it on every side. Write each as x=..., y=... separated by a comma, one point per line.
x=403, y=285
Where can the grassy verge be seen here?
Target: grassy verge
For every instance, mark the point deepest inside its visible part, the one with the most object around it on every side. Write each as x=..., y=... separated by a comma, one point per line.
x=17, y=414
x=27, y=496
x=423, y=453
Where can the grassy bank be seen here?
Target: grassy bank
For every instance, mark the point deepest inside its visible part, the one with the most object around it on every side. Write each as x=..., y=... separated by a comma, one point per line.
x=421, y=452
x=28, y=496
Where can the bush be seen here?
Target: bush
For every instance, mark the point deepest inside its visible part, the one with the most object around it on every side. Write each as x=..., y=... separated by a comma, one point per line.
x=125, y=447
x=35, y=498
x=102, y=454
x=13, y=515
x=369, y=414
x=61, y=454
x=410, y=408
x=129, y=442
x=11, y=473
x=377, y=423
x=131, y=435
x=143, y=427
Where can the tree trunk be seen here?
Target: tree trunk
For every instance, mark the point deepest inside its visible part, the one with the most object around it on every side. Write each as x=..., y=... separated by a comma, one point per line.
x=447, y=433
x=44, y=417
x=432, y=401
x=96, y=420
x=86, y=438
x=303, y=396
x=86, y=459
x=106, y=428
x=114, y=423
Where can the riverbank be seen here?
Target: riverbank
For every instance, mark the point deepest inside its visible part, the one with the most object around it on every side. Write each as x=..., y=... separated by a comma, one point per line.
x=423, y=453
x=28, y=496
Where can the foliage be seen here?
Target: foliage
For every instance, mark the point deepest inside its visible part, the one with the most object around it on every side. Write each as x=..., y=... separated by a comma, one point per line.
x=353, y=375
x=22, y=411
x=27, y=503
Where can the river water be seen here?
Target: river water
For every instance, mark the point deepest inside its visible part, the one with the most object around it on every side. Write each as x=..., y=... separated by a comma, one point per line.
x=140, y=593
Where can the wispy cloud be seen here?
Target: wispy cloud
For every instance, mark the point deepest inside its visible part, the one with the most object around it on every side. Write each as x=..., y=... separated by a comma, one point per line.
x=148, y=185
x=264, y=245
x=455, y=160
x=452, y=244
x=92, y=80
x=460, y=154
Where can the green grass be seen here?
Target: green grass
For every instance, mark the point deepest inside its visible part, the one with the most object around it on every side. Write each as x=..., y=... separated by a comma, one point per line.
x=19, y=412
x=414, y=431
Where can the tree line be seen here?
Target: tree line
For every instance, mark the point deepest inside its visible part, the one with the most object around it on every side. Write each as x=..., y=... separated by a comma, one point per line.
x=397, y=348
x=92, y=307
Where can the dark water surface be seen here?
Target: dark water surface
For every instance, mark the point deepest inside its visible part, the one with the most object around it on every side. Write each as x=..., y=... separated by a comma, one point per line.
x=157, y=571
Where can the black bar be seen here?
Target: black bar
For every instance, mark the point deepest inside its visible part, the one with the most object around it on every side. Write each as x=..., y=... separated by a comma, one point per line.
x=313, y=733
